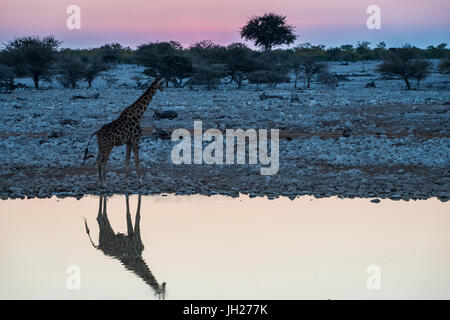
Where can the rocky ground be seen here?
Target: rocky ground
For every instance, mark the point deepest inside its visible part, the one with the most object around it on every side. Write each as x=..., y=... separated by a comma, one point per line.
x=352, y=141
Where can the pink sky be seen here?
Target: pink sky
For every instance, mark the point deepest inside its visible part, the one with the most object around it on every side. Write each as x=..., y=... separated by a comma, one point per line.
x=131, y=22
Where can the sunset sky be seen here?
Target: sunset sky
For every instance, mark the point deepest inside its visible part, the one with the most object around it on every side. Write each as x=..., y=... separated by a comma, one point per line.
x=131, y=22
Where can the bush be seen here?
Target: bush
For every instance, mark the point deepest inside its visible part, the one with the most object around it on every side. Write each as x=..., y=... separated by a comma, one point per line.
x=166, y=59
x=31, y=56
x=208, y=75
x=6, y=77
x=304, y=60
x=206, y=51
x=258, y=77
x=422, y=69
x=70, y=69
x=114, y=53
x=330, y=79
x=401, y=62
x=173, y=68
x=308, y=64
x=267, y=77
x=93, y=66
x=444, y=66
x=239, y=62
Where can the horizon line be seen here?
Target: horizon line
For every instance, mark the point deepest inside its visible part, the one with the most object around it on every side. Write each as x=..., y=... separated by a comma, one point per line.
x=372, y=45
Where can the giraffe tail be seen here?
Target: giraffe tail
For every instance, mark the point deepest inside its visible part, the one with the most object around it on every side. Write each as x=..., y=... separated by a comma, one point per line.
x=87, y=148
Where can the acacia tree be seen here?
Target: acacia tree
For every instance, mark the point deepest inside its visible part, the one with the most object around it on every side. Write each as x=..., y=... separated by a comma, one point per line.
x=208, y=60
x=207, y=74
x=70, y=68
x=93, y=66
x=207, y=51
x=268, y=31
x=166, y=59
x=32, y=56
x=239, y=62
x=401, y=62
x=305, y=59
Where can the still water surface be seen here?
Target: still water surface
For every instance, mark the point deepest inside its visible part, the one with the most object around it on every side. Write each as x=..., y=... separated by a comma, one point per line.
x=196, y=247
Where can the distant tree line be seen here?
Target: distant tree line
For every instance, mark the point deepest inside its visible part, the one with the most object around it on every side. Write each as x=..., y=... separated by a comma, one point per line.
x=206, y=63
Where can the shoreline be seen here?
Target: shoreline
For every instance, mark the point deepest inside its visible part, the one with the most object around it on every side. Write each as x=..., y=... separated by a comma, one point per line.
x=352, y=141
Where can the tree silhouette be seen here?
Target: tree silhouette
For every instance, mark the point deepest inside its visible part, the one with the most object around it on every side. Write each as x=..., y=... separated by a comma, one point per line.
x=166, y=59
x=239, y=62
x=32, y=56
x=268, y=31
x=401, y=62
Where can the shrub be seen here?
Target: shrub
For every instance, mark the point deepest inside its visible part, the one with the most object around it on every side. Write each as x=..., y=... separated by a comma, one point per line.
x=401, y=62
x=267, y=77
x=239, y=62
x=166, y=59
x=330, y=79
x=308, y=64
x=93, y=66
x=444, y=66
x=208, y=75
x=6, y=77
x=70, y=69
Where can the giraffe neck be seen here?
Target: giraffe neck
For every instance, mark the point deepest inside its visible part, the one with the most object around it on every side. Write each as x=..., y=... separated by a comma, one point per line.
x=140, y=105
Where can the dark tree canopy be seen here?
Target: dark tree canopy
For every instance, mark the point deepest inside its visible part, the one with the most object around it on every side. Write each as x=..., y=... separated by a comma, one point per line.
x=6, y=77
x=268, y=31
x=207, y=51
x=93, y=66
x=32, y=56
x=70, y=68
x=166, y=59
x=402, y=62
x=173, y=68
x=239, y=62
x=207, y=74
x=444, y=66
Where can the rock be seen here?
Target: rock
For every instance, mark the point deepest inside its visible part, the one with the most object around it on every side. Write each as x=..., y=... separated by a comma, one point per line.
x=371, y=84
x=162, y=134
x=375, y=200
x=264, y=96
x=167, y=114
x=94, y=96
x=347, y=132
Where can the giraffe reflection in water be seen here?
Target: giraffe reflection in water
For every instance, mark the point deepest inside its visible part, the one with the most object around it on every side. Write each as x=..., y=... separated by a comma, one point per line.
x=127, y=248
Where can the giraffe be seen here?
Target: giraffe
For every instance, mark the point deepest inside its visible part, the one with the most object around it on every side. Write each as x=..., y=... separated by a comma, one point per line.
x=125, y=248
x=124, y=130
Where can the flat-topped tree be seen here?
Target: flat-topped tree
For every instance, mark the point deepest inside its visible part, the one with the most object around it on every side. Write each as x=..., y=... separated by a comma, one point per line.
x=167, y=59
x=239, y=62
x=306, y=59
x=268, y=31
x=402, y=62
x=31, y=56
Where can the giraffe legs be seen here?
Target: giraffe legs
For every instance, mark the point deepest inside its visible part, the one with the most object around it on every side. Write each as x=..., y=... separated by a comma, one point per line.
x=129, y=224
x=136, y=161
x=99, y=166
x=102, y=160
x=127, y=162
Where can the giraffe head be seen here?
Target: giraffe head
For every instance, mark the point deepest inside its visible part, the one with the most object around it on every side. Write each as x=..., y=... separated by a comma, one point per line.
x=160, y=83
